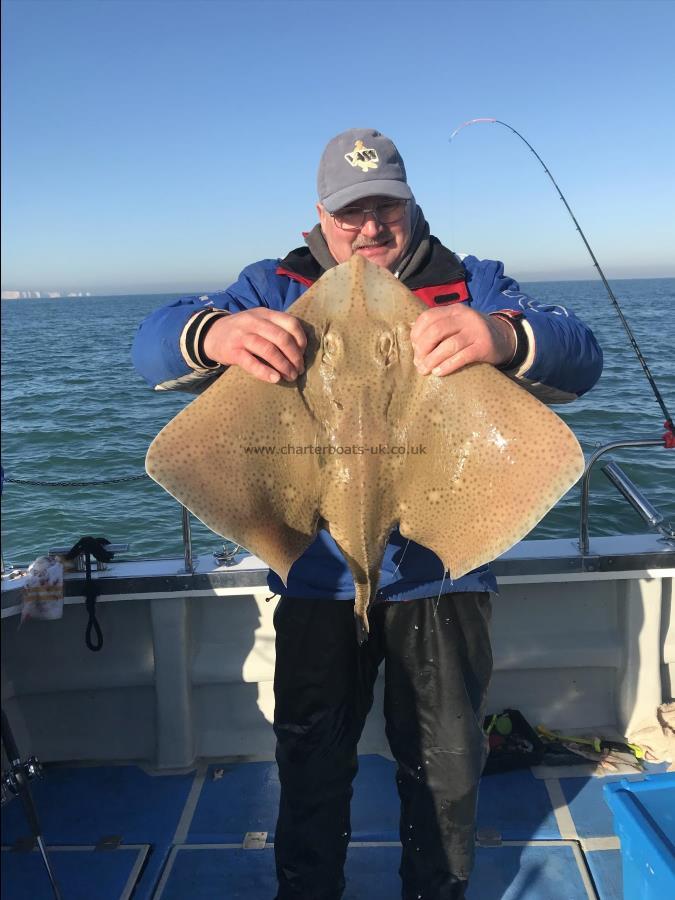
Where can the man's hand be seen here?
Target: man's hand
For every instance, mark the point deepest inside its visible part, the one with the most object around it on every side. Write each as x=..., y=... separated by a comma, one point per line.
x=266, y=343
x=446, y=338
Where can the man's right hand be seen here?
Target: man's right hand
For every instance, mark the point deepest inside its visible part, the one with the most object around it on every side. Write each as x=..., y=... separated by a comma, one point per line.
x=266, y=343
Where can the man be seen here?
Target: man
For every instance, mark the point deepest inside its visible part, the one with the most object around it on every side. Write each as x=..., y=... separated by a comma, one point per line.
x=436, y=646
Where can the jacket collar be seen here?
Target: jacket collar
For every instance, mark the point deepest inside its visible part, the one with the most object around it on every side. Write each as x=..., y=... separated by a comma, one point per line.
x=441, y=267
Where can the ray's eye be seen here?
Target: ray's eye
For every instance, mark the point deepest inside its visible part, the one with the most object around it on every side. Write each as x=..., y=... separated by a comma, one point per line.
x=386, y=348
x=330, y=346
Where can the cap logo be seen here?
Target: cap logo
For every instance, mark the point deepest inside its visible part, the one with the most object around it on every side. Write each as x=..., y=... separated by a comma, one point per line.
x=362, y=156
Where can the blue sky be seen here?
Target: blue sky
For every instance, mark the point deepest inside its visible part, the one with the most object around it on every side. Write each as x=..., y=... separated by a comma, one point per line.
x=161, y=145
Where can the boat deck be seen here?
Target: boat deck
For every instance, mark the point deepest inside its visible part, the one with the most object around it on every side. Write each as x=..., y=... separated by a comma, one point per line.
x=119, y=831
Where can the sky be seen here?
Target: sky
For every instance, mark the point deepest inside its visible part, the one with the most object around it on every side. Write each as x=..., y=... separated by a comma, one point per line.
x=162, y=145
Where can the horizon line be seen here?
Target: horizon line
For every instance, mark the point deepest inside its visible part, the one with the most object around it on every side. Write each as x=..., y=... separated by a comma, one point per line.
x=84, y=293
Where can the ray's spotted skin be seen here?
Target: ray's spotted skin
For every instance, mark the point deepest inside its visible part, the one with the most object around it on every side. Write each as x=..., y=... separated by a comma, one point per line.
x=456, y=462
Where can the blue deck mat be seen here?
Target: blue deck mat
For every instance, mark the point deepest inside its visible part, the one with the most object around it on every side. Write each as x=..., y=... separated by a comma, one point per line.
x=527, y=873
x=81, y=805
x=376, y=808
x=518, y=806
x=607, y=872
x=81, y=874
x=246, y=796
x=592, y=817
x=145, y=887
x=501, y=873
x=590, y=812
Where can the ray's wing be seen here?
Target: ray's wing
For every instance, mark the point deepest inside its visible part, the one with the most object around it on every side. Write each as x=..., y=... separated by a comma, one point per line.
x=492, y=462
x=233, y=457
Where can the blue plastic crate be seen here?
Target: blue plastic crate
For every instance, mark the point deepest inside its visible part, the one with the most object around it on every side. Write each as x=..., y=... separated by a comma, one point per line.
x=644, y=816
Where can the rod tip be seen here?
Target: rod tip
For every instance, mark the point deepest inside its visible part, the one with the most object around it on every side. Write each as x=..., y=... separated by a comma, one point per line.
x=470, y=122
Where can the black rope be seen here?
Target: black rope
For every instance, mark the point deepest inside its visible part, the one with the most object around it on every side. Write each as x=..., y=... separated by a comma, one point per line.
x=634, y=344
x=88, y=547
x=90, y=593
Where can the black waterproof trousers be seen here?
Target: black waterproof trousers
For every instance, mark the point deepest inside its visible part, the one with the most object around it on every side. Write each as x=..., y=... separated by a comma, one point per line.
x=438, y=663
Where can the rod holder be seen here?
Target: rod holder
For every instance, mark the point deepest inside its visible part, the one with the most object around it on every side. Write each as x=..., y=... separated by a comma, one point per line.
x=632, y=493
x=187, y=541
x=584, y=539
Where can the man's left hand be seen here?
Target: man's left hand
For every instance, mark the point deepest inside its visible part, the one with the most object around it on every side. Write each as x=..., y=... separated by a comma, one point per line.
x=446, y=338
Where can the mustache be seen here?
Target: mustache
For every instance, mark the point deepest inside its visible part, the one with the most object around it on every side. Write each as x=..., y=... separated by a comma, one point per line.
x=371, y=242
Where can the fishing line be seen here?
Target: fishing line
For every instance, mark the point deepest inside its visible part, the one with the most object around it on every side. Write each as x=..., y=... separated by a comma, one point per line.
x=440, y=592
x=669, y=436
x=398, y=564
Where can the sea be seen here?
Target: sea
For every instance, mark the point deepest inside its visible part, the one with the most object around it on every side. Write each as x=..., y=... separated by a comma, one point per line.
x=74, y=410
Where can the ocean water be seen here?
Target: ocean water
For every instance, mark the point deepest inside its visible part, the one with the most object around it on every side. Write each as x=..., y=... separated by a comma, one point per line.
x=74, y=409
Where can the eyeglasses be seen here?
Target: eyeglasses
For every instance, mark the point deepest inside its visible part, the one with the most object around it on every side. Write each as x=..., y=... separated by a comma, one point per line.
x=352, y=218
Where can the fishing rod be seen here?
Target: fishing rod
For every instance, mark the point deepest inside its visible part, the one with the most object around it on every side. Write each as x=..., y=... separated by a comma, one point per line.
x=669, y=436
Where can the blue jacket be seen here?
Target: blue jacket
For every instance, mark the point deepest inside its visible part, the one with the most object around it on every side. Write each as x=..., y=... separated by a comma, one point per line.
x=565, y=363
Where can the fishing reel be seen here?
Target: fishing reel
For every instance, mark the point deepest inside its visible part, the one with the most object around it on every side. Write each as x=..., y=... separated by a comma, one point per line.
x=16, y=783
x=15, y=778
